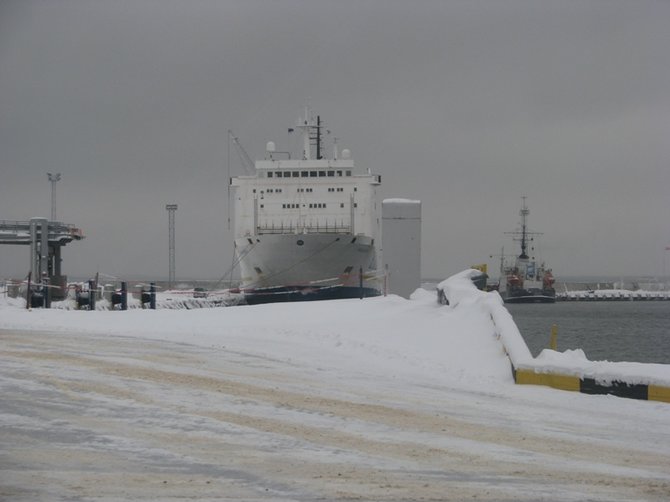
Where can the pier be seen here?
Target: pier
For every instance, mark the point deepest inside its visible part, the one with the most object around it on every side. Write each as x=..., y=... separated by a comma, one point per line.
x=45, y=238
x=612, y=295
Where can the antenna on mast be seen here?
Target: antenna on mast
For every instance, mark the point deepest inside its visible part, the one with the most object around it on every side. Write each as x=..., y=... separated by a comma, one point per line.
x=524, y=233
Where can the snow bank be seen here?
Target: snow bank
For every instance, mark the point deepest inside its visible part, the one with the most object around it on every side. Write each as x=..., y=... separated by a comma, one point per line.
x=460, y=290
x=470, y=342
x=389, y=337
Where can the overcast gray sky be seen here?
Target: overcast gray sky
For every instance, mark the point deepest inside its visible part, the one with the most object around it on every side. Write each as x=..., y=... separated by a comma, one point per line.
x=465, y=105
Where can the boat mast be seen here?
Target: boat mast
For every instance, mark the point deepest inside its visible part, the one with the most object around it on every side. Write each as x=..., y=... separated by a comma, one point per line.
x=311, y=135
x=524, y=234
x=318, y=138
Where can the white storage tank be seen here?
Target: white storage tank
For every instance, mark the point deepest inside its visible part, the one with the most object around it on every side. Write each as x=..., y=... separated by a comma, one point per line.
x=401, y=236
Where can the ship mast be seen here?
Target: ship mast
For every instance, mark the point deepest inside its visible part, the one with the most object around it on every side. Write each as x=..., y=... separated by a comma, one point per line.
x=311, y=135
x=524, y=233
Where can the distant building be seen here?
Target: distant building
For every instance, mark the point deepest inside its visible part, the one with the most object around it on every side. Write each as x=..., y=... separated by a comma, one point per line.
x=401, y=245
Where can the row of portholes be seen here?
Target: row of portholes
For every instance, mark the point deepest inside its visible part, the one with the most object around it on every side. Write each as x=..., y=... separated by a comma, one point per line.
x=306, y=174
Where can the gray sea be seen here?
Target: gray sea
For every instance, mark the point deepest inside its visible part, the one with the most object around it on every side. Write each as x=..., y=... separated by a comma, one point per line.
x=612, y=331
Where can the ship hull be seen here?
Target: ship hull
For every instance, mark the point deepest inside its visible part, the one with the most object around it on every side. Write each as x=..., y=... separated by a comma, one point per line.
x=530, y=299
x=303, y=294
x=306, y=267
x=530, y=296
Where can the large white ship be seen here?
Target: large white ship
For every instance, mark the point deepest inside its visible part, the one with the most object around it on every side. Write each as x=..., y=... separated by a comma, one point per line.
x=307, y=228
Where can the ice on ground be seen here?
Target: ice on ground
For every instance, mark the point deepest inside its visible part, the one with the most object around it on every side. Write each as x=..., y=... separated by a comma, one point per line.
x=380, y=399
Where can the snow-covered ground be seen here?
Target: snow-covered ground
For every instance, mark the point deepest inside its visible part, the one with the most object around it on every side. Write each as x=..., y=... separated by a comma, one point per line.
x=375, y=399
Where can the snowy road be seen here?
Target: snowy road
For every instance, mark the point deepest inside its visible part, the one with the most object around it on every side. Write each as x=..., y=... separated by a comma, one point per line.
x=93, y=417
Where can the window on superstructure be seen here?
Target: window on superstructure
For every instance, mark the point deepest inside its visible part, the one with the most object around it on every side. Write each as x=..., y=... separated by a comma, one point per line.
x=278, y=190
x=322, y=174
x=348, y=173
x=270, y=173
x=339, y=173
x=304, y=174
x=312, y=174
x=331, y=173
x=355, y=189
x=269, y=190
x=296, y=174
x=341, y=204
x=279, y=174
x=355, y=204
x=340, y=189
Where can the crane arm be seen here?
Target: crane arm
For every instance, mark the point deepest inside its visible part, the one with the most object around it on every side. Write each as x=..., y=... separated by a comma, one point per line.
x=247, y=163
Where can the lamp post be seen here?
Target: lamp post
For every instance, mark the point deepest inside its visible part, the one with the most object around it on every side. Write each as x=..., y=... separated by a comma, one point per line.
x=171, y=208
x=53, y=178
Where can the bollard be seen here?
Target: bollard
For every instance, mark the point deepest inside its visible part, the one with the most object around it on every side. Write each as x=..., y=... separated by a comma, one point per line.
x=121, y=298
x=149, y=297
x=553, y=342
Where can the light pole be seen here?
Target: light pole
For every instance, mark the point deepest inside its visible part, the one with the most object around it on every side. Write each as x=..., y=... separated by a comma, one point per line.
x=53, y=178
x=171, y=208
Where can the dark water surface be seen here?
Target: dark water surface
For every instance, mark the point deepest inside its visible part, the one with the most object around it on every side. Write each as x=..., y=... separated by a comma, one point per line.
x=613, y=331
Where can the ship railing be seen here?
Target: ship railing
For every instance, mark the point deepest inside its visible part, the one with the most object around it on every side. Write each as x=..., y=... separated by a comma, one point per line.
x=304, y=229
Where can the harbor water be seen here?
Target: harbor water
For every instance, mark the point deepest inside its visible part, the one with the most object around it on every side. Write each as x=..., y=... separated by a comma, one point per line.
x=612, y=331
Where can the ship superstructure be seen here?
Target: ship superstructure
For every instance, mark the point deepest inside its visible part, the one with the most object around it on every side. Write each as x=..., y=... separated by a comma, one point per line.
x=307, y=228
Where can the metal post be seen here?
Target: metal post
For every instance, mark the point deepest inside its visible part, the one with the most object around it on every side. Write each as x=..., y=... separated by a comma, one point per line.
x=39, y=247
x=386, y=279
x=53, y=178
x=171, y=208
x=124, y=296
x=28, y=291
x=152, y=292
x=46, y=291
x=91, y=294
x=360, y=281
x=553, y=341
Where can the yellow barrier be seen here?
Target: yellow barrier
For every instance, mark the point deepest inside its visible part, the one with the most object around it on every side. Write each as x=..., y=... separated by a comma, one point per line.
x=656, y=393
x=563, y=382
